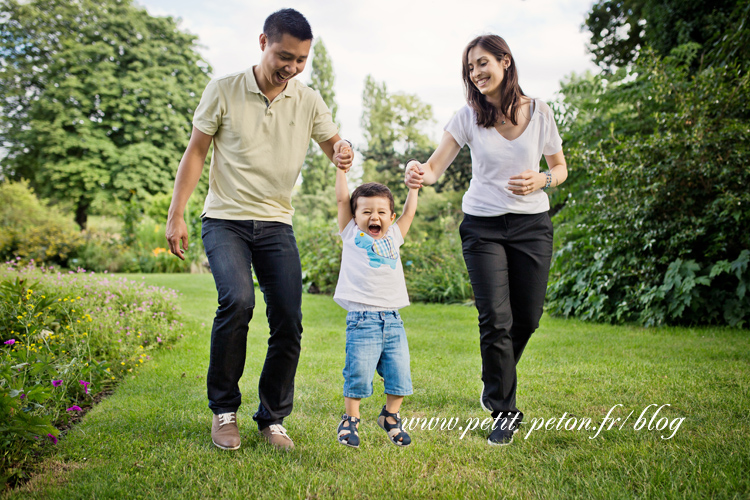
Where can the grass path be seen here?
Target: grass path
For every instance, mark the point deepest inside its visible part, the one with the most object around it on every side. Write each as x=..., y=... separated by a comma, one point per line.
x=151, y=439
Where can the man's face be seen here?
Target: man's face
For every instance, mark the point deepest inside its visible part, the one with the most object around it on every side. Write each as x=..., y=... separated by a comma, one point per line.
x=282, y=60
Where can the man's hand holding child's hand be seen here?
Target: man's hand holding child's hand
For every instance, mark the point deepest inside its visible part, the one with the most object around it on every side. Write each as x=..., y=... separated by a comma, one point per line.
x=343, y=155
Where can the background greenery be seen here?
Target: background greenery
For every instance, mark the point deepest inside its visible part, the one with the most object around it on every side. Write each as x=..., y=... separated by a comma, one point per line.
x=97, y=99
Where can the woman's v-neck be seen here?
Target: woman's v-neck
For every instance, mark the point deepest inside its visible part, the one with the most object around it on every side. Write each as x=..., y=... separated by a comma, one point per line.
x=533, y=112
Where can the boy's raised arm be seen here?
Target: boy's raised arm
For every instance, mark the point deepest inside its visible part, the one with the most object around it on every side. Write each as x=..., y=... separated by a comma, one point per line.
x=410, y=208
x=342, y=199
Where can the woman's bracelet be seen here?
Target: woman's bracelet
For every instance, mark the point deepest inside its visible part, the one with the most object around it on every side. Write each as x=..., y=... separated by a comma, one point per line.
x=548, y=177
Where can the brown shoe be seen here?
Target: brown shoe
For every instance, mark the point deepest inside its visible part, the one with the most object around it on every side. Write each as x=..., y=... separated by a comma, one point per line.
x=276, y=435
x=224, y=431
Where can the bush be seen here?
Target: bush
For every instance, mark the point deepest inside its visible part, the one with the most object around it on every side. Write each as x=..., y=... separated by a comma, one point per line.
x=65, y=338
x=32, y=230
x=661, y=235
x=320, y=254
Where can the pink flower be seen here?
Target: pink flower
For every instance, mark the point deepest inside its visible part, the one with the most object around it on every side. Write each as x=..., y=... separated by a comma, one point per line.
x=74, y=408
x=85, y=385
x=158, y=339
x=52, y=438
x=10, y=342
x=57, y=383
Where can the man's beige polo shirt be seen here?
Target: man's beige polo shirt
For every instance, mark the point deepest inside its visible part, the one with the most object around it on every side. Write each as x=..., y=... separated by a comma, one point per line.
x=259, y=147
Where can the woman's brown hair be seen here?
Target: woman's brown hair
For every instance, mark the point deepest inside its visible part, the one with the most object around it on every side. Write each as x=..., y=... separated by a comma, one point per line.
x=510, y=91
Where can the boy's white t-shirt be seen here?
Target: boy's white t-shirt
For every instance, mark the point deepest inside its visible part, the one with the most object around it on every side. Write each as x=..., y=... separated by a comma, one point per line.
x=494, y=159
x=371, y=276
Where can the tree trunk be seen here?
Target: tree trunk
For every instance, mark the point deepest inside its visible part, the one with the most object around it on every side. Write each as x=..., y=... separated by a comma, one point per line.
x=82, y=212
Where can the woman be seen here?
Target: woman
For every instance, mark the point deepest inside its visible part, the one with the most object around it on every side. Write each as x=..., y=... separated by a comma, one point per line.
x=506, y=233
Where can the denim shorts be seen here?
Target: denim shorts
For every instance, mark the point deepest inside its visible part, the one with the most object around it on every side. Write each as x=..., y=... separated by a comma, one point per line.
x=376, y=340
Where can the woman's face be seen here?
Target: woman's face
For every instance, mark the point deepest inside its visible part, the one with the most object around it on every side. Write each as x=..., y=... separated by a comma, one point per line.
x=486, y=71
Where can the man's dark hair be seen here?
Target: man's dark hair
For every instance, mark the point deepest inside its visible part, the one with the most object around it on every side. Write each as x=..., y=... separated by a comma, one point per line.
x=371, y=189
x=287, y=21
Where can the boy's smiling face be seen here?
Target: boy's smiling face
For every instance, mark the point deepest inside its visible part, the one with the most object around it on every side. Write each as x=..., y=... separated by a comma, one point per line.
x=374, y=215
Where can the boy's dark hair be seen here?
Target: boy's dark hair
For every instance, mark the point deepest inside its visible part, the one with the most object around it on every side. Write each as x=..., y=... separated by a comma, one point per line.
x=371, y=189
x=287, y=21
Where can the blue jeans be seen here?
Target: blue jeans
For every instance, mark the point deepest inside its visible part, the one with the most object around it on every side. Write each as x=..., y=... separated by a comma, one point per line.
x=376, y=340
x=234, y=248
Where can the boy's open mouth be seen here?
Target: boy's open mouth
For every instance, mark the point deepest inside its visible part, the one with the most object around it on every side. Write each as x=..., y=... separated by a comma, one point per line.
x=374, y=229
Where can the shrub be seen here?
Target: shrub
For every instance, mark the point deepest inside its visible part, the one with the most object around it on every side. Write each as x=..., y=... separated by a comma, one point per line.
x=65, y=338
x=32, y=230
x=661, y=235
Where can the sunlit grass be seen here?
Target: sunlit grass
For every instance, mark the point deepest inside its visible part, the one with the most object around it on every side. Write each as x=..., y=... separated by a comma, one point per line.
x=151, y=439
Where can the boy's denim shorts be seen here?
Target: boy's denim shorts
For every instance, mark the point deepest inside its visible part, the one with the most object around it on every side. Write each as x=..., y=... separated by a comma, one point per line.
x=376, y=340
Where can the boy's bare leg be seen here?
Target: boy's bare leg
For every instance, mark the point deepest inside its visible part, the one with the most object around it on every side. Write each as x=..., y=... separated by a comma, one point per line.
x=351, y=405
x=392, y=405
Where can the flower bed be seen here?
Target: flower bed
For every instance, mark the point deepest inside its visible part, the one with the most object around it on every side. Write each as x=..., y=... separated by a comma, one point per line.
x=64, y=338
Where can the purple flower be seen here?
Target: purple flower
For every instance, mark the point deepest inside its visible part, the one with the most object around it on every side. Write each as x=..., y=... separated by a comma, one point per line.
x=22, y=396
x=57, y=383
x=85, y=385
x=52, y=438
x=74, y=408
x=10, y=342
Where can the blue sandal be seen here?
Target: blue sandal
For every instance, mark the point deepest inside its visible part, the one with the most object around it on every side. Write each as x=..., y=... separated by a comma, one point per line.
x=348, y=436
x=398, y=436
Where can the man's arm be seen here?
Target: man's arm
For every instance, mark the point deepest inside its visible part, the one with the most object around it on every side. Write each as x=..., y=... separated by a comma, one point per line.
x=410, y=209
x=339, y=151
x=188, y=174
x=342, y=199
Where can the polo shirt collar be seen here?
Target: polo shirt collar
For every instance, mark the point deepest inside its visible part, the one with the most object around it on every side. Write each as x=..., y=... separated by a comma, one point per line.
x=252, y=84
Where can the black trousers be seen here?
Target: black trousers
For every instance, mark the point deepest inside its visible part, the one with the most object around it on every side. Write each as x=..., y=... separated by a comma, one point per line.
x=234, y=248
x=508, y=258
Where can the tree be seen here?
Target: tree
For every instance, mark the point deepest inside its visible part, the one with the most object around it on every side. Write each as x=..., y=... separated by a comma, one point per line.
x=621, y=28
x=318, y=173
x=97, y=99
x=657, y=234
x=393, y=126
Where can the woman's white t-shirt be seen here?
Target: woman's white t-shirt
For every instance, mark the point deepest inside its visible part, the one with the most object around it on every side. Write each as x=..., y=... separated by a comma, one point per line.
x=494, y=159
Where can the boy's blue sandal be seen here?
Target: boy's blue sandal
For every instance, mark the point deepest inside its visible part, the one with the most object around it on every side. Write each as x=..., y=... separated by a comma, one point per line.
x=398, y=436
x=348, y=436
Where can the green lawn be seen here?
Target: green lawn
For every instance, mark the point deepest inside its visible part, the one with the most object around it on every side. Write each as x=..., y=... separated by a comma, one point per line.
x=151, y=439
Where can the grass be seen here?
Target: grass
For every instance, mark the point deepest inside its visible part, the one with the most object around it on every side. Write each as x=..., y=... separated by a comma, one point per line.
x=151, y=439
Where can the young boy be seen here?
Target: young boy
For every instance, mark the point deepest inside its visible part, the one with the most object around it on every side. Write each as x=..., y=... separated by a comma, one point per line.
x=371, y=287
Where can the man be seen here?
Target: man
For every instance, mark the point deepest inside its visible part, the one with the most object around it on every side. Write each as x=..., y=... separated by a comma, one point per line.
x=260, y=121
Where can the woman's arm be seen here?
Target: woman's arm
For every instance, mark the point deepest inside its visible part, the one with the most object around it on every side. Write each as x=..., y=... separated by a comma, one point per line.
x=529, y=181
x=417, y=174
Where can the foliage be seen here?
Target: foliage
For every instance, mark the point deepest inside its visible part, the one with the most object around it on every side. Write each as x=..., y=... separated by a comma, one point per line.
x=32, y=230
x=318, y=173
x=320, y=254
x=433, y=261
x=66, y=338
x=660, y=234
x=621, y=28
x=393, y=126
x=97, y=98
